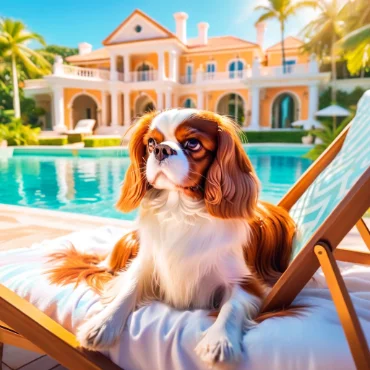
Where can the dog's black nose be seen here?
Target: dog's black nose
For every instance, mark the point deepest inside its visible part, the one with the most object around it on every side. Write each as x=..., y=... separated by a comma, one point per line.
x=163, y=151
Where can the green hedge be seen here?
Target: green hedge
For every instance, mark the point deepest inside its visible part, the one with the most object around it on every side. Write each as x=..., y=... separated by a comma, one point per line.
x=294, y=136
x=92, y=142
x=53, y=140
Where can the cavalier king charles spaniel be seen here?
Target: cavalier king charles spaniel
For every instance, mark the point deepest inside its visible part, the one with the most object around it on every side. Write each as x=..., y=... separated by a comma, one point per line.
x=203, y=239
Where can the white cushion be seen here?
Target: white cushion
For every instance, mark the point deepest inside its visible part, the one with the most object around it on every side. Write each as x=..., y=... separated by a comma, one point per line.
x=159, y=337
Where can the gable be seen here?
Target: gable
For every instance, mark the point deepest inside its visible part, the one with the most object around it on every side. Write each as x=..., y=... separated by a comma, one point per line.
x=138, y=26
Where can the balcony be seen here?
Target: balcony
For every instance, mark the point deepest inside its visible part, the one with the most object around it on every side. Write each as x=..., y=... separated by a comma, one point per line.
x=141, y=76
x=210, y=77
x=257, y=73
x=280, y=71
x=36, y=84
x=68, y=71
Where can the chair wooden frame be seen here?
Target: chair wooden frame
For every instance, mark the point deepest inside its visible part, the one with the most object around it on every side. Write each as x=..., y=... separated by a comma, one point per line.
x=23, y=325
x=320, y=251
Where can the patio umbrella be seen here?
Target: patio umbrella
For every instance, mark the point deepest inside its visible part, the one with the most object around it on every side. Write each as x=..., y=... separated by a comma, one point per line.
x=333, y=111
x=308, y=124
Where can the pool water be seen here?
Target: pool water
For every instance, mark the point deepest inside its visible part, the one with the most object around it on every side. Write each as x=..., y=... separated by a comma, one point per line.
x=91, y=185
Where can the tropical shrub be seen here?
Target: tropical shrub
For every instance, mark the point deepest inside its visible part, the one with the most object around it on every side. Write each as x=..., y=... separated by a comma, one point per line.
x=62, y=140
x=345, y=99
x=293, y=136
x=327, y=136
x=17, y=134
x=93, y=142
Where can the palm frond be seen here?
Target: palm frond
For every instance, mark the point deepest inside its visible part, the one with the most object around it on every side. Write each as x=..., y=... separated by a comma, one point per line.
x=355, y=38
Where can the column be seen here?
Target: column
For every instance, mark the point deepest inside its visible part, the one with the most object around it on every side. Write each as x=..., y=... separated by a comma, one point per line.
x=255, y=120
x=173, y=66
x=126, y=68
x=313, y=102
x=58, y=107
x=159, y=100
x=114, y=113
x=113, y=68
x=161, y=70
x=103, y=108
x=168, y=99
x=256, y=67
x=126, y=109
x=200, y=100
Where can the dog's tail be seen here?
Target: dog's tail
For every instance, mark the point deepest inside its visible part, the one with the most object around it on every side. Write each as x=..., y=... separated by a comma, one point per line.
x=75, y=267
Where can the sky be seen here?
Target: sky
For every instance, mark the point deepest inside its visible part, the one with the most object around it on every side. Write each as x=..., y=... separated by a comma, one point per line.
x=68, y=22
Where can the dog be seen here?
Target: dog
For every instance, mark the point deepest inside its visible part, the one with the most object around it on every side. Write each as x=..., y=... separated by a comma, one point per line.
x=203, y=241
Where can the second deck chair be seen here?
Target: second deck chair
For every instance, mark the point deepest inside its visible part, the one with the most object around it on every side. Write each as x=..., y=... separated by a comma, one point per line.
x=326, y=202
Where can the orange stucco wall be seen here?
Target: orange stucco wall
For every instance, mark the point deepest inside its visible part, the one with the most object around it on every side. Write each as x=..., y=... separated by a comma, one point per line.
x=222, y=60
x=275, y=58
x=301, y=93
x=136, y=60
x=69, y=94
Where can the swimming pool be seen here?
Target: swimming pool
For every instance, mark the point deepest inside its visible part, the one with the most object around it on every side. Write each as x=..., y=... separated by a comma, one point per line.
x=91, y=185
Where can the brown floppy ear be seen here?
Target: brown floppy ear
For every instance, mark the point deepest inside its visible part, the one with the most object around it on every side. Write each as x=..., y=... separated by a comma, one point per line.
x=231, y=188
x=135, y=184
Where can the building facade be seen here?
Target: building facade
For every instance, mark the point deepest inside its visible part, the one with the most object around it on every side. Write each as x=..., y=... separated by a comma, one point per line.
x=144, y=66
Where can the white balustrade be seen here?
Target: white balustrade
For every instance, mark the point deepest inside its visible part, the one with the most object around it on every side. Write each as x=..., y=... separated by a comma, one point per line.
x=37, y=83
x=188, y=79
x=279, y=71
x=140, y=76
x=85, y=73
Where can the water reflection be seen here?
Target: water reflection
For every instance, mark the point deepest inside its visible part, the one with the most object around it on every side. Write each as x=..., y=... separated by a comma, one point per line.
x=91, y=185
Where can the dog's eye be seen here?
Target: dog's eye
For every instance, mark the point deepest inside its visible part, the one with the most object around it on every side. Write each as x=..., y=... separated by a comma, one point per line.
x=151, y=144
x=192, y=144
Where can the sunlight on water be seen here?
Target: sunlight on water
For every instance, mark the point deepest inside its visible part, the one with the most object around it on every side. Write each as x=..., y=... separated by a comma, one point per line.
x=91, y=185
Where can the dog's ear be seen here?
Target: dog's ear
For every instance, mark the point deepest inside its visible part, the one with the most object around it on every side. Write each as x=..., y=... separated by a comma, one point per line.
x=231, y=188
x=135, y=184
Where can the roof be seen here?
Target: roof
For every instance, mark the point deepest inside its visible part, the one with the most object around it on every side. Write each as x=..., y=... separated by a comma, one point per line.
x=141, y=13
x=98, y=55
x=219, y=43
x=290, y=42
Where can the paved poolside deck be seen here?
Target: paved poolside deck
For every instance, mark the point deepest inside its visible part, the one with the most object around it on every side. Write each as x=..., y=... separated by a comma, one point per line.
x=21, y=227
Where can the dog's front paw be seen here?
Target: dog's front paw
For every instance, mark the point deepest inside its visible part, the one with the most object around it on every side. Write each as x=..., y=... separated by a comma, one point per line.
x=217, y=349
x=98, y=333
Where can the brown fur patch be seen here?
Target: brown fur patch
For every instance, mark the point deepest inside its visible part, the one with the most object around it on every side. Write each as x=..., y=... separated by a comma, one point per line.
x=269, y=250
x=76, y=267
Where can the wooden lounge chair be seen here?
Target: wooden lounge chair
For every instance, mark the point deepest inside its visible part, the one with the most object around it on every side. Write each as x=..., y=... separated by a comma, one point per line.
x=25, y=326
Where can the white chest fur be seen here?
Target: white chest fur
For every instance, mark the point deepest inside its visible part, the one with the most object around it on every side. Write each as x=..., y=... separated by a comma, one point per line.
x=192, y=253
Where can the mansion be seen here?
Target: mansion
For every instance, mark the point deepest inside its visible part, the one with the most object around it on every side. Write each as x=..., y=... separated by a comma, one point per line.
x=144, y=66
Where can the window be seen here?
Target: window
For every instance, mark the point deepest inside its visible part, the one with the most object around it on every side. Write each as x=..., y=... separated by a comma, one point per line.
x=189, y=73
x=211, y=67
x=289, y=65
x=138, y=28
x=189, y=103
x=236, y=69
x=88, y=113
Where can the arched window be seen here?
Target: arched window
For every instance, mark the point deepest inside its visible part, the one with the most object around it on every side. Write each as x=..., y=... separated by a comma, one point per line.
x=232, y=105
x=189, y=103
x=236, y=69
x=284, y=111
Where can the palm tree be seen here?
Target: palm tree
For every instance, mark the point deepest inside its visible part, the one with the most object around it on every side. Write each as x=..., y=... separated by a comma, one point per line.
x=356, y=42
x=324, y=31
x=281, y=10
x=14, y=38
